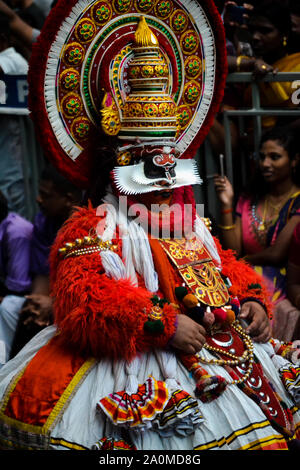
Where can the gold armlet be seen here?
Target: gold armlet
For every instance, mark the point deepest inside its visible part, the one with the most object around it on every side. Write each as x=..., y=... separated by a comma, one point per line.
x=85, y=246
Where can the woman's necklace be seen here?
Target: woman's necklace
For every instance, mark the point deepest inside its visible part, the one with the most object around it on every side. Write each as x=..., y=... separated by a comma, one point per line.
x=260, y=221
x=281, y=201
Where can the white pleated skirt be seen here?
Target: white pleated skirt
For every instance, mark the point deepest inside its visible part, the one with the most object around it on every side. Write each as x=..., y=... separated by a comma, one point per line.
x=231, y=422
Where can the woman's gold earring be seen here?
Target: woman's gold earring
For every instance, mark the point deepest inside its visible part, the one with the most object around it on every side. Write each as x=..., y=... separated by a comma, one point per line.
x=284, y=41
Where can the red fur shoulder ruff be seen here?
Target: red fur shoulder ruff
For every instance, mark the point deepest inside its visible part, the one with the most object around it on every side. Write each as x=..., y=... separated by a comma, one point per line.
x=97, y=315
x=102, y=317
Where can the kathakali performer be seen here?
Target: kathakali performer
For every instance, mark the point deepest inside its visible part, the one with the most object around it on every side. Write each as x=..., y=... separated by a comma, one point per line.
x=161, y=338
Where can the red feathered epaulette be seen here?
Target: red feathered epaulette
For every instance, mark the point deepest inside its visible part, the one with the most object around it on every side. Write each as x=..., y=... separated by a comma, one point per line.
x=97, y=315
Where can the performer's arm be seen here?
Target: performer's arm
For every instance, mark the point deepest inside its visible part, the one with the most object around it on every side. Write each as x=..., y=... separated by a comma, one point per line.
x=96, y=314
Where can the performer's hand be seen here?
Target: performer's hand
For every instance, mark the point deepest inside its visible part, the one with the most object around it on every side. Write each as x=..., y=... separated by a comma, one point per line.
x=259, y=327
x=189, y=336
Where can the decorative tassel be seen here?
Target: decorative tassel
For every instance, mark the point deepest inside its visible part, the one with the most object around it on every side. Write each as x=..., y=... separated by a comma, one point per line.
x=154, y=327
x=255, y=286
x=209, y=387
x=190, y=301
x=220, y=315
x=144, y=36
x=197, y=314
x=181, y=292
x=230, y=316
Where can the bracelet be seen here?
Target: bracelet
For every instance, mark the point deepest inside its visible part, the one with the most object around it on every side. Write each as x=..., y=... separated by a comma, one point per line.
x=239, y=60
x=227, y=211
x=154, y=325
x=226, y=227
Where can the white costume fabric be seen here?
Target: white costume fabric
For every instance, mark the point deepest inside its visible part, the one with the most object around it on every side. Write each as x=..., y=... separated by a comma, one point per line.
x=230, y=422
x=222, y=425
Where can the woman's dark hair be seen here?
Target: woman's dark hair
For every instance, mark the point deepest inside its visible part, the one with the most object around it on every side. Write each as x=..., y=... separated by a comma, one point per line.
x=3, y=207
x=294, y=7
x=275, y=12
x=286, y=138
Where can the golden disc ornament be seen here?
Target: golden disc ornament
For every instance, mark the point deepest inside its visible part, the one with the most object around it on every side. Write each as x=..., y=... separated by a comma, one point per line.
x=162, y=64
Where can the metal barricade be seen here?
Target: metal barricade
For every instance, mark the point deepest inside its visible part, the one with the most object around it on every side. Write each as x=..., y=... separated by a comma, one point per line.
x=209, y=162
x=13, y=102
x=256, y=111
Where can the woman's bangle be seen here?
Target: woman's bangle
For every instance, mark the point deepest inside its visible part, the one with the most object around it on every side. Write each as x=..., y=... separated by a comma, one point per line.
x=227, y=211
x=226, y=227
x=239, y=60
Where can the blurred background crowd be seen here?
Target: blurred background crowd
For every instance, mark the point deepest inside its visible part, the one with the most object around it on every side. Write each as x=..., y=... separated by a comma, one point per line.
x=255, y=210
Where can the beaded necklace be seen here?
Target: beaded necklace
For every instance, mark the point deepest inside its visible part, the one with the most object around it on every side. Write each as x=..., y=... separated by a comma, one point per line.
x=260, y=221
x=259, y=224
x=247, y=356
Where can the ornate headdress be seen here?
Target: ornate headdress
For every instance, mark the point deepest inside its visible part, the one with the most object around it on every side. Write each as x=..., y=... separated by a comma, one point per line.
x=149, y=73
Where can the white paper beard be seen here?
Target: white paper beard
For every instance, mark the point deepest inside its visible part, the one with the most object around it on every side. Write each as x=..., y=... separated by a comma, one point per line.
x=132, y=180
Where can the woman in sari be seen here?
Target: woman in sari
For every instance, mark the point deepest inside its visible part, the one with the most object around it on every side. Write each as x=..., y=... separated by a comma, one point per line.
x=265, y=217
x=293, y=275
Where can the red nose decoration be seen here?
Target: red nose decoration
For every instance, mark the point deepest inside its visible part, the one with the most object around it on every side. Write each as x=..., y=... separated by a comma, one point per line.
x=165, y=160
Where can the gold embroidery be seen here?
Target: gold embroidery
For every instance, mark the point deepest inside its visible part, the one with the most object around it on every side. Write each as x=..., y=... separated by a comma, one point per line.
x=198, y=271
x=18, y=428
x=68, y=393
x=205, y=282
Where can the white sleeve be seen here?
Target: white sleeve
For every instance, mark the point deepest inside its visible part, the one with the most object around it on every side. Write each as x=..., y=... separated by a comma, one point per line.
x=14, y=64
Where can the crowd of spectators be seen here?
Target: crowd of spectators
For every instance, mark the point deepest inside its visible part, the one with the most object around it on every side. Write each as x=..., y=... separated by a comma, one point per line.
x=259, y=220
x=262, y=37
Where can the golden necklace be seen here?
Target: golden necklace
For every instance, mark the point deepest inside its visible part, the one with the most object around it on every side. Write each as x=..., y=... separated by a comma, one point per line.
x=248, y=354
x=262, y=225
x=277, y=207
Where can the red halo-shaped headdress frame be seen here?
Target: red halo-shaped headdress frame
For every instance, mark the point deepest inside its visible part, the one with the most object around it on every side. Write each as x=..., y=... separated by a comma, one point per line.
x=81, y=52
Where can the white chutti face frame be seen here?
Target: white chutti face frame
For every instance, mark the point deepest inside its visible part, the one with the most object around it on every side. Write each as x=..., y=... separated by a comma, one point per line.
x=132, y=180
